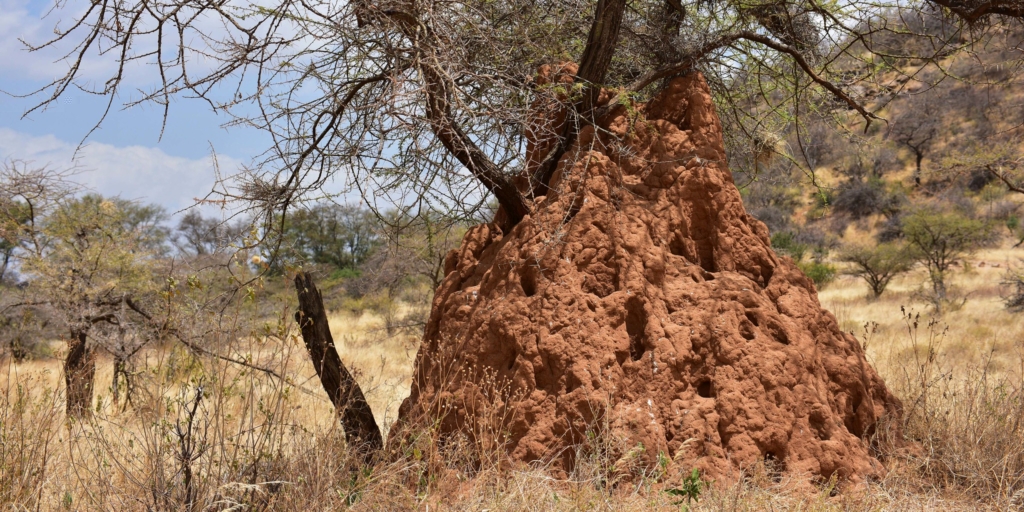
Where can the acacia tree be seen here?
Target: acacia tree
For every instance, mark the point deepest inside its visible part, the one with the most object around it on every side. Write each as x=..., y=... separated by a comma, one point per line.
x=938, y=239
x=916, y=129
x=878, y=265
x=16, y=214
x=90, y=272
x=427, y=104
x=85, y=258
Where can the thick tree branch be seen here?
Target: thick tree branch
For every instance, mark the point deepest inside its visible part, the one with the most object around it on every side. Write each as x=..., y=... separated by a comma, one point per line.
x=439, y=91
x=455, y=140
x=1011, y=184
x=972, y=11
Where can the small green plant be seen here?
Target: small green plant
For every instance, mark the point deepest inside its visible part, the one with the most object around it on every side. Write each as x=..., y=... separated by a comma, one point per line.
x=820, y=273
x=785, y=242
x=688, y=491
x=662, y=468
x=824, y=198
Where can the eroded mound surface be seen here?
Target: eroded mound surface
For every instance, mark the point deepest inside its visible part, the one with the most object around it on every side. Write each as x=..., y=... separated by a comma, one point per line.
x=641, y=301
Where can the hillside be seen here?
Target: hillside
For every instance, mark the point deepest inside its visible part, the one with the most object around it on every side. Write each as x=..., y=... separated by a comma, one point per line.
x=950, y=136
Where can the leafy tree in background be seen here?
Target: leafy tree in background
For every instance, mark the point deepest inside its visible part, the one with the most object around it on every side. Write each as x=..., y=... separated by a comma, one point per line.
x=414, y=254
x=877, y=265
x=88, y=261
x=417, y=249
x=938, y=238
x=12, y=227
x=146, y=223
x=197, y=236
x=340, y=236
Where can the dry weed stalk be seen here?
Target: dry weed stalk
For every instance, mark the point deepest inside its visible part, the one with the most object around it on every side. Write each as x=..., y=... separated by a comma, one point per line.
x=968, y=421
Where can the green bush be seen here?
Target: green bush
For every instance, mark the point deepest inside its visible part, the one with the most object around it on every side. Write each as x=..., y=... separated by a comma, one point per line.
x=345, y=273
x=785, y=243
x=820, y=273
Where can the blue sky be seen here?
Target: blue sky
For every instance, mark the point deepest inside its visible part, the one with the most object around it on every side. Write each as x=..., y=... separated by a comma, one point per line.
x=126, y=156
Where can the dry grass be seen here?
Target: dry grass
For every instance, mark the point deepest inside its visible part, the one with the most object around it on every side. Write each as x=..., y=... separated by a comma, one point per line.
x=253, y=442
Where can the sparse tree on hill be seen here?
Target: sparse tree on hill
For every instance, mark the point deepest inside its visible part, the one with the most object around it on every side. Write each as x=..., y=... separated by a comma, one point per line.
x=916, y=129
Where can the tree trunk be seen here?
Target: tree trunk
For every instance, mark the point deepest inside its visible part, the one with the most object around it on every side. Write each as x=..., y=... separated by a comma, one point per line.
x=122, y=372
x=597, y=57
x=114, y=391
x=361, y=431
x=79, y=372
x=3, y=268
x=939, y=286
x=918, y=157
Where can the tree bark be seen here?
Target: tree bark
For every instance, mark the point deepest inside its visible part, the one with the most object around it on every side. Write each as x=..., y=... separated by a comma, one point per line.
x=597, y=55
x=3, y=268
x=594, y=63
x=361, y=431
x=79, y=372
x=972, y=11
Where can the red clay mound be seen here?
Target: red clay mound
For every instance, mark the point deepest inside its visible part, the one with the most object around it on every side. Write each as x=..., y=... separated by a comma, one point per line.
x=640, y=301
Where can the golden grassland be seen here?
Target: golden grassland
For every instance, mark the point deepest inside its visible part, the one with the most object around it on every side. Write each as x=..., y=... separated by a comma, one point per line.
x=256, y=442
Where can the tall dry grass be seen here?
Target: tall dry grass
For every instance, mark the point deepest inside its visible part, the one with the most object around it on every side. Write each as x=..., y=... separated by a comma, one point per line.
x=203, y=433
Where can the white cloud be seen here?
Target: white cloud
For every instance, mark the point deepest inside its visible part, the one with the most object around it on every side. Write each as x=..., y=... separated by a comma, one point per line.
x=133, y=172
x=17, y=24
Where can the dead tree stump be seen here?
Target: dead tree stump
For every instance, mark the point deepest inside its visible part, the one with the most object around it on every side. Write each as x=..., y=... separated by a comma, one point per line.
x=361, y=431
